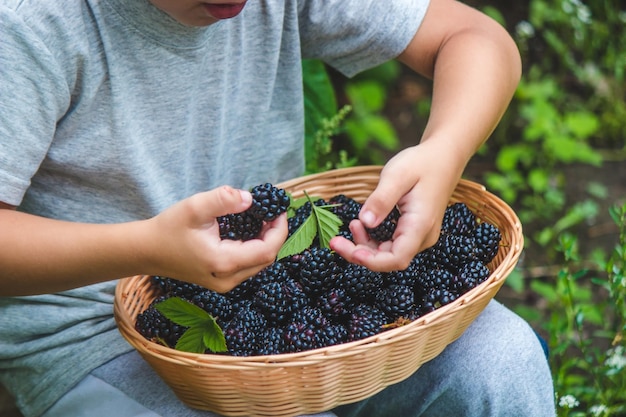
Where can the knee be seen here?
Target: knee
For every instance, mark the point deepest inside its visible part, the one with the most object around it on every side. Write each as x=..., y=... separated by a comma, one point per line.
x=501, y=368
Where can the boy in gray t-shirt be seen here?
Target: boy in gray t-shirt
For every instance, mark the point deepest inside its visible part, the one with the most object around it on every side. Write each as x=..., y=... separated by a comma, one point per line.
x=128, y=126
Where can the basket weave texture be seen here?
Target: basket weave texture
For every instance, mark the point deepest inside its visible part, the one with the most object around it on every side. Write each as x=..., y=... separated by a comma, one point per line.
x=288, y=385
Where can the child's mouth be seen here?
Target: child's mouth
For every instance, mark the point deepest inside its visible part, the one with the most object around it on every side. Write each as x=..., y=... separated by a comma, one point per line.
x=224, y=11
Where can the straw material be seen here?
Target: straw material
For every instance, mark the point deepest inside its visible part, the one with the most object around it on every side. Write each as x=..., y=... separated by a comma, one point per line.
x=288, y=385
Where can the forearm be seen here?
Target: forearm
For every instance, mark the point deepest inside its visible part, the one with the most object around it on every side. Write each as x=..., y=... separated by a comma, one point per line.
x=42, y=255
x=475, y=72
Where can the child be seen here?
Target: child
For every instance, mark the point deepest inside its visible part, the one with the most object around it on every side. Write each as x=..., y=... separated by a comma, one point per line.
x=128, y=126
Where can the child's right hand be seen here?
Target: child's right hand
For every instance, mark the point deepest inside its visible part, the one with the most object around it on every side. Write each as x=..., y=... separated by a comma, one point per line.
x=185, y=241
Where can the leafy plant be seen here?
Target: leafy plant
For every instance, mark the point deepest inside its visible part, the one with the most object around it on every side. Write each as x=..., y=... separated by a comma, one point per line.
x=581, y=44
x=323, y=120
x=586, y=327
x=528, y=171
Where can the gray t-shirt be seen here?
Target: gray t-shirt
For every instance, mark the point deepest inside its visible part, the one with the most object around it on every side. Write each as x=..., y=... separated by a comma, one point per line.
x=111, y=111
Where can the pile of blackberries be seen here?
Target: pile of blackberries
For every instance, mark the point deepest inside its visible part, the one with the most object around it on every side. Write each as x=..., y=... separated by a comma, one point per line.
x=316, y=299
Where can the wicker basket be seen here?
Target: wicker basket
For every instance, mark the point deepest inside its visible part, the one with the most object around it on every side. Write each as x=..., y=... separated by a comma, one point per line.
x=309, y=382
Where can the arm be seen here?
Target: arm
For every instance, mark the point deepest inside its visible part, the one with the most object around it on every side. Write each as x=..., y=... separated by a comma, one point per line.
x=475, y=67
x=42, y=255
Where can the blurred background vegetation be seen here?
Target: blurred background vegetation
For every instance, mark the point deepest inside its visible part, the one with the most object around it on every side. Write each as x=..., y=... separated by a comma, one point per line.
x=558, y=158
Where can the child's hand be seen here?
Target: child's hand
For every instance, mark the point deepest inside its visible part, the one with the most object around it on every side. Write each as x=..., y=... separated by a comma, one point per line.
x=187, y=245
x=420, y=181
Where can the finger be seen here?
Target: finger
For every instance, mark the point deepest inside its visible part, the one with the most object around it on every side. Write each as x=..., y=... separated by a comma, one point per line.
x=219, y=202
x=360, y=236
x=412, y=236
x=254, y=254
x=275, y=233
x=385, y=258
x=390, y=189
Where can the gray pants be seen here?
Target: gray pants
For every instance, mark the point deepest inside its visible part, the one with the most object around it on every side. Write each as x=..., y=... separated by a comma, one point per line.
x=496, y=368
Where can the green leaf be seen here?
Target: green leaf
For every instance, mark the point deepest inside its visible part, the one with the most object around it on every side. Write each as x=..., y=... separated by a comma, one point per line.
x=213, y=337
x=182, y=312
x=382, y=131
x=328, y=225
x=321, y=223
x=582, y=124
x=203, y=332
x=301, y=239
x=192, y=340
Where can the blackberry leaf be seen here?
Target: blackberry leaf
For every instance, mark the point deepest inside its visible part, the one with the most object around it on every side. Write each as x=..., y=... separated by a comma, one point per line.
x=192, y=340
x=213, y=337
x=203, y=332
x=301, y=239
x=182, y=312
x=321, y=223
x=328, y=225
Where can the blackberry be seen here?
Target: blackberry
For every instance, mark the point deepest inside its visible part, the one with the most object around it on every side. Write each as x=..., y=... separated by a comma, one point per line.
x=344, y=231
x=217, y=305
x=326, y=332
x=176, y=288
x=458, y=220
x=333, y=334
x=160, y=283
x=396, y=301
x=318, y=270
x=365, y=321
x=299, y=336
x=360, y=282
x=433, y=279
x=436, y=298
x=243, y=332
x=271, y=341
x=275, y=272
x=385, y=230
x=292, y=264
x=487, y=239
x=472, y=274
x=455, y=250
x=313, y=315
x=239, y=226
x=268, y=202
x=279, y=300
x=240, y=304
x=406, y=276
x=347, y=208
x=431, y=259
x=154, y=326
x=243, y=291
x=335, y=303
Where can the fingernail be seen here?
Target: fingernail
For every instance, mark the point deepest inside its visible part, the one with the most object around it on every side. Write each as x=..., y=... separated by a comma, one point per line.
x=246, y=197
x=368, y=218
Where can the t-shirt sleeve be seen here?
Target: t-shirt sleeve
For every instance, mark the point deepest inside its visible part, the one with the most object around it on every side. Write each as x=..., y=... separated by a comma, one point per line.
x=33, y=97
x=354, y=35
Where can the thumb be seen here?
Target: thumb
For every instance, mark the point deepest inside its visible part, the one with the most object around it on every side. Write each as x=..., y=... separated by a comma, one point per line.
x=219, y=202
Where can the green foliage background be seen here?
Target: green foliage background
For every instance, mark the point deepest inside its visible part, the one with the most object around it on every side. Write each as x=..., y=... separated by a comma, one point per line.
x=568, y=113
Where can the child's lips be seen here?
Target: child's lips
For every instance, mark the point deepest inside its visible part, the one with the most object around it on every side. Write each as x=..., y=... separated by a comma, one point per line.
x=224, y=11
